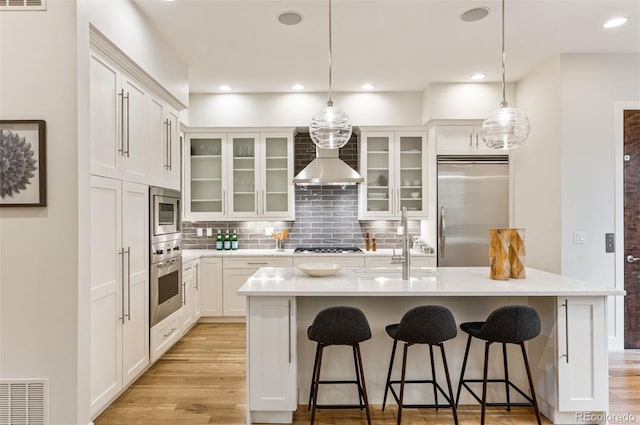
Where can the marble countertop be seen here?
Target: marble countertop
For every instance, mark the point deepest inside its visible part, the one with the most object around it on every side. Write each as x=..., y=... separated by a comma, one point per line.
x=426, y=281
x=194, y=254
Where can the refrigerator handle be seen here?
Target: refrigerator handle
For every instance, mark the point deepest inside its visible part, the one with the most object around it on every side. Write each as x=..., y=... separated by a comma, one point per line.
x=443, y=228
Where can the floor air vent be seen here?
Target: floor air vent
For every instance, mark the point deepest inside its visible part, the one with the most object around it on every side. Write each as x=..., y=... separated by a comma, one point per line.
x=24, y=402
x=23, y=5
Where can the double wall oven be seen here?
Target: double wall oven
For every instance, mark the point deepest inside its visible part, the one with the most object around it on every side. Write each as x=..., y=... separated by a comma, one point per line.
x=166, y=253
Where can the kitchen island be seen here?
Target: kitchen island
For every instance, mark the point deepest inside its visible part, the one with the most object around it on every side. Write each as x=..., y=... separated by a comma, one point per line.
x=568, y=358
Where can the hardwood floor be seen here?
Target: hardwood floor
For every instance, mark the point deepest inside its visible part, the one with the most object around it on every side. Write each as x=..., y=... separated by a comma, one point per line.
x=201, y=380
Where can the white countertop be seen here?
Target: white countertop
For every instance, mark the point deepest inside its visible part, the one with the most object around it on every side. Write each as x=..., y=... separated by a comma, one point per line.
x=442, y=281
x=193, y=254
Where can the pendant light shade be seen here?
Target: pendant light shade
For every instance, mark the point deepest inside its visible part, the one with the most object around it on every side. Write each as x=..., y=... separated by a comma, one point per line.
x=505, y=128
x=331, y=127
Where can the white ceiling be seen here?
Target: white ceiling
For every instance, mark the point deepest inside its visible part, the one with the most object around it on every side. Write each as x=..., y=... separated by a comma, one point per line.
x=399, y=45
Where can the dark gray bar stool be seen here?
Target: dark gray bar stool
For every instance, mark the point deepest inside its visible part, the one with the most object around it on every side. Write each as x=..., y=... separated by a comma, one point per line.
x=339, y=326
x=431, y=325
x=512, y=324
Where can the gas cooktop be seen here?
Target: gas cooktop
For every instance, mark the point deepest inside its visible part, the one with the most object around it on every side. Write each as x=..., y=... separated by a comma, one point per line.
x=327, y=250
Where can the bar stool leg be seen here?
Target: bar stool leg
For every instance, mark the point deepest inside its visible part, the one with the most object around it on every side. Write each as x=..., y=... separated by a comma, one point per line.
x=404, y=372
x=506, y=376
x=464, y=366
x=386, y=387
x=355, y=365
x=484, y=382
x=364, y=386
x=433, y=376
x=315, y=389
x=446, y=373
x=533, y=393
x=313, y=376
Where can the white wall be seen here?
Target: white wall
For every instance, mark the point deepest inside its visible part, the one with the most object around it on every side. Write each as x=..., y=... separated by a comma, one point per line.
x=38, y=246
x=591, y=84
x=297, y=109
x=121, y=22
x=535, y=167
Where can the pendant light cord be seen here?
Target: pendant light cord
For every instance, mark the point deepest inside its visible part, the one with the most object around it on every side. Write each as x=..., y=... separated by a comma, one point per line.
x=504, y=96
x=330, y=101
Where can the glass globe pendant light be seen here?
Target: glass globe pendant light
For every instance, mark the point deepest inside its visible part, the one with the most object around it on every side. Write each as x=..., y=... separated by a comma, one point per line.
x=505, y=128
x=331, y=127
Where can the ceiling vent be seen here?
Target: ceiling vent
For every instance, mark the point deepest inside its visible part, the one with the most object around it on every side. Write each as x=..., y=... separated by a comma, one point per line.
x=24, y=402
x=23, y=5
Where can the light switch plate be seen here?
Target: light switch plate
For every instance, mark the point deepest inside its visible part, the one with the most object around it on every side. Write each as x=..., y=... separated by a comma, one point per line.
x=609, y=242
x=578, y=237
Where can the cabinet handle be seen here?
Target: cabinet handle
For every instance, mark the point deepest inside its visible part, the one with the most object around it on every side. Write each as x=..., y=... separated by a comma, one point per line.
x=470, y=141
x=289, y=330
x=127, y=151
x=121, y=148
x=196, y=276
x=257, y=263
x=186, y=269
x=128, y=251
x=566, y=330
x=121, y=254
x=170, y=142
x=170, y=332
x=477, y=144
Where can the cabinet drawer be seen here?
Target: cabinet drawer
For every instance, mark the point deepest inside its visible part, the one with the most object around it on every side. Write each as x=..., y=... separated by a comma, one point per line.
x=164, y=335
x=343, y=260
x=256, y=262
x=385, y=261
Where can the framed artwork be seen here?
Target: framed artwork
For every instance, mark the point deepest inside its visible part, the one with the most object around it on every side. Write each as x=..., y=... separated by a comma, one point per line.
x=23, y=176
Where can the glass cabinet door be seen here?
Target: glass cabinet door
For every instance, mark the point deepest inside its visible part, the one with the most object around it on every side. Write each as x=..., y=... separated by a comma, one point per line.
x=277, y=176
x=206, y=168
x=243, y=193
x=379, y=179
x=412, y=177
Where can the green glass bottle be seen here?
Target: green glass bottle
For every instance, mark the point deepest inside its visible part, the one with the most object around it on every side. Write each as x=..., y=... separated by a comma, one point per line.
x=234, y=239
x=219, y=241
x=227, y=240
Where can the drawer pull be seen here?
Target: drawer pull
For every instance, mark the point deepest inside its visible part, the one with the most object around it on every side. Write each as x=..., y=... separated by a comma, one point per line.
x=257, y=263
x=170, y=332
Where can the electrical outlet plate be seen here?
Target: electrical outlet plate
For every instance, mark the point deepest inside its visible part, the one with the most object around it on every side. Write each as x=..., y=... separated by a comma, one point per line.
x=199, y=231
x=209, y=231
x=268, y=231
x=609, y=242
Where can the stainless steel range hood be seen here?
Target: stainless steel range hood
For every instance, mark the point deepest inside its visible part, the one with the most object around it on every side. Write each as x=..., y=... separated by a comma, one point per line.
x=327, y=169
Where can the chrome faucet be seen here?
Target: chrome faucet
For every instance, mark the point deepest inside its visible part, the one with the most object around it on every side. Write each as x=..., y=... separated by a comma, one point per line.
x=405, y=258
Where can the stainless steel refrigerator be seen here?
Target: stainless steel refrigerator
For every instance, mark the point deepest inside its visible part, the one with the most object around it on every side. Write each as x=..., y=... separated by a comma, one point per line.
x=473, y=197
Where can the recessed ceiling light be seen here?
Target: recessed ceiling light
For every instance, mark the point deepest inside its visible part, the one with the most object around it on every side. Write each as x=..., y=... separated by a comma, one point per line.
x=297, y=87
x=368, y=86
x=478, y=76
x=615, y=22
x=290, y=18
x=474, y=14
x=224, y=87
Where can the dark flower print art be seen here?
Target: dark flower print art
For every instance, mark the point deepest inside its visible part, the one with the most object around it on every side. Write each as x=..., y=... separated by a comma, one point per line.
x=17, y=163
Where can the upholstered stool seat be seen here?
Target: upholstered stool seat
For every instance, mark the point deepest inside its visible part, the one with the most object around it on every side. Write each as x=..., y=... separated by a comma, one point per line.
x=430, y=325
x=339, y=326
x=513, y=324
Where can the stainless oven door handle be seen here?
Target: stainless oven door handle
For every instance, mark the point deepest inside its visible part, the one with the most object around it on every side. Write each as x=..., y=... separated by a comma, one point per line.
x=166, y=263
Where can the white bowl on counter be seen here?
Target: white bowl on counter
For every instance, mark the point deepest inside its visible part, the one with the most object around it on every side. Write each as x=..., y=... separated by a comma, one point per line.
x=319, y=269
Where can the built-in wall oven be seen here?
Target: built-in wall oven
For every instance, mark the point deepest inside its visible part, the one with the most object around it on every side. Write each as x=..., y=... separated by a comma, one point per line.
x=166, y=253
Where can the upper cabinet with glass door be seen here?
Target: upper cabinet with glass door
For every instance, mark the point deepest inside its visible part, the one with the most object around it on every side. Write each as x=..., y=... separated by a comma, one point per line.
x=395, y=167
x=240, y=176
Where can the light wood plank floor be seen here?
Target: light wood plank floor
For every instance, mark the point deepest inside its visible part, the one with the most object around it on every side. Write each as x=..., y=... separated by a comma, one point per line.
x=201, y=380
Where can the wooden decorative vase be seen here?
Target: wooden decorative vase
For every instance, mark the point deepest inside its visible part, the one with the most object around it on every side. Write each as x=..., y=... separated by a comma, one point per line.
x=499, y=254
x=517, y=253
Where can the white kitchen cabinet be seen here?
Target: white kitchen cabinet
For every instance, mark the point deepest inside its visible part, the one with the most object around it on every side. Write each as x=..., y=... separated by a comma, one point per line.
x=118, y=143
x=239, y=175
x=582, y=354
x=394, y=164
x=235, y=272
x=119, y=287
x=164, y=144
x=386, y=261
x=187, y=313
x=271, y=360
x=461, y=140
x=211, y=284
x=165, y=334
